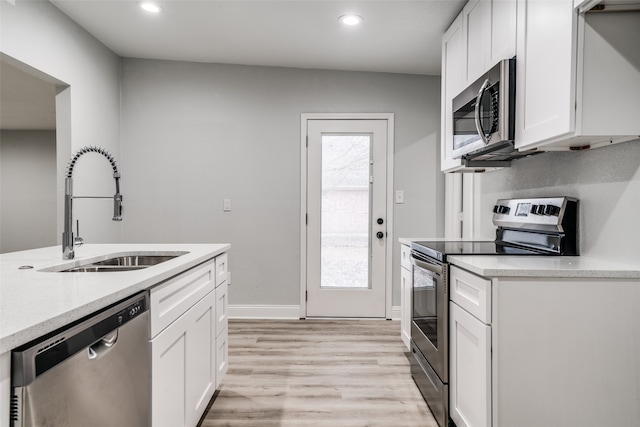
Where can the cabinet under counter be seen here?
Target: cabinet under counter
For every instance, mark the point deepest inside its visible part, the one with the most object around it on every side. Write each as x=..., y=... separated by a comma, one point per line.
x=559, y=348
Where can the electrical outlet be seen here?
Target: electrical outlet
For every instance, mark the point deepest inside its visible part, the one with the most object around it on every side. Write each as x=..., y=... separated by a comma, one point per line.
x=399, y=196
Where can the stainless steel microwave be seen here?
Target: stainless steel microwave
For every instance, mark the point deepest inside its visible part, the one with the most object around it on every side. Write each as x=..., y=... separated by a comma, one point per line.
x=484, y=113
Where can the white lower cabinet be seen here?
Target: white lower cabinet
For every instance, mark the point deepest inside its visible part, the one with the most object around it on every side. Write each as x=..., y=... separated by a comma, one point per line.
x=469, y=369
x=201, y=359
x=183, y=367
x=543, y=351
x=189, y=344
x=469, y=350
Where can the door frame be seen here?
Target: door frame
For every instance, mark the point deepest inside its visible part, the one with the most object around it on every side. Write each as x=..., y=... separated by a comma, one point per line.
x=304, y=117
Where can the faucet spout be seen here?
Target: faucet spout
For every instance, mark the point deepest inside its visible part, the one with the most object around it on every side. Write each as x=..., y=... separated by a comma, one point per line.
x=67, y=235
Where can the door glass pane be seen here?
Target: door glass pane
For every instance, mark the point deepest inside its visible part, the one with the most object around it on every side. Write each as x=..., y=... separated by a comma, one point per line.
x=345, y=210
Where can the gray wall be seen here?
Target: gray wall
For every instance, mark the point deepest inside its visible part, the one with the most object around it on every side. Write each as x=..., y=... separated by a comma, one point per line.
x=27, y=189
x=605, y=180
x=195, y=134
x=37, y=34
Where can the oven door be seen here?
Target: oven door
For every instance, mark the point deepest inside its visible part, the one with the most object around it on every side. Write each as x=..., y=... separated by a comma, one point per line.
x=430, y=318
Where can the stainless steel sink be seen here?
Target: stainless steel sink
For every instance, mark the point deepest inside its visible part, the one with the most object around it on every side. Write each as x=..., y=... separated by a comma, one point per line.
x=103, y=269
x=121, y=263
x=117, y=262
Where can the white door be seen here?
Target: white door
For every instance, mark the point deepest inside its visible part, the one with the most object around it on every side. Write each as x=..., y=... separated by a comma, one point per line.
x=346, y=218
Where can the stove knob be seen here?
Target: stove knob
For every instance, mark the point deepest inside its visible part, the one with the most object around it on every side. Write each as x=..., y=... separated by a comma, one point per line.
x=541, y=209
x=534, y=209
x=552, y=210
x=503, y=209
x=495, y=209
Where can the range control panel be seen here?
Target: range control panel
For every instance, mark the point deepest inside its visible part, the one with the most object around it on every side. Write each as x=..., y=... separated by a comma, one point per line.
x=535, y=213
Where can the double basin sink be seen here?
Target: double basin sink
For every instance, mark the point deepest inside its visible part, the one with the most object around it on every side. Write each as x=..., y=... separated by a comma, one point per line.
x=118, y=262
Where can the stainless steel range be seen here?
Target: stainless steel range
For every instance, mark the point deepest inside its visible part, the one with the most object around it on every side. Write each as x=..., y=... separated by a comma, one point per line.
x=525, y=227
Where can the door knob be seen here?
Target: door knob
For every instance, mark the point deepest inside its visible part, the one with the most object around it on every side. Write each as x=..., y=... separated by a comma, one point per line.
x=380, y=221
x=379, y=234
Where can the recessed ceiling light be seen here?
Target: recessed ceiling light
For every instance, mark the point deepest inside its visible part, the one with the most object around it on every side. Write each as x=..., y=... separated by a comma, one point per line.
x=350, y=20
x=150, y=7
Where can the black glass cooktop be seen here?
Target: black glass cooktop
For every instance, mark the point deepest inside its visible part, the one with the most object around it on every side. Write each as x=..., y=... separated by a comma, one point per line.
x=440, y=249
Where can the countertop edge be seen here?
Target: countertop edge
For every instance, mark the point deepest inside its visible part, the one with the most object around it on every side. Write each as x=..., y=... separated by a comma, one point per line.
x=157, y=276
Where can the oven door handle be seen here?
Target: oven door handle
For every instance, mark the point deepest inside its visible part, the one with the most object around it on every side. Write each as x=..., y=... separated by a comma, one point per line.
x=434, y=268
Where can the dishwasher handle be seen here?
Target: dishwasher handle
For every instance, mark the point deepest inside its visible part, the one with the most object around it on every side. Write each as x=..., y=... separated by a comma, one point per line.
x=103, y=346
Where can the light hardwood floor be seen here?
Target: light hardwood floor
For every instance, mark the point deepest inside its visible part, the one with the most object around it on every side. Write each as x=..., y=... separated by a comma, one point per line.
x=334, y=373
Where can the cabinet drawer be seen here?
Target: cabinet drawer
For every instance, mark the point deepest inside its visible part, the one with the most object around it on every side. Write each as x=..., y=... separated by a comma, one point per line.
x=222, y=269
x=222, y=308
x=173, y=298
x=405, y=257
x=471, y=292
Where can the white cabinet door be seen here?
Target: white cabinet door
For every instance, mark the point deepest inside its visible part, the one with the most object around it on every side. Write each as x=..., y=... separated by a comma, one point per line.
x=201, y=364
x=451, y=85
x=469, y=369
x=476, y=25
x=545, y=76
x=406, y=305
x=502, y=37
x=184, y=367
x=168, y=375
x=489, y=34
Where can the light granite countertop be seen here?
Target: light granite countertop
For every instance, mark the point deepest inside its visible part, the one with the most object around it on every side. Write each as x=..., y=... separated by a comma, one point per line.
x=35, y=302
x=545, y=266
x=538, y=266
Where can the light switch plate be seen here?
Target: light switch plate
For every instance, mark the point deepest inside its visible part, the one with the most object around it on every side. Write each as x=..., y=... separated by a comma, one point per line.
x=399, y=196
x=227, y=205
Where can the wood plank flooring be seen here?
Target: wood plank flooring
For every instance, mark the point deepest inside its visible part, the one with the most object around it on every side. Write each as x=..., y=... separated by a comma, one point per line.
x=316, y=373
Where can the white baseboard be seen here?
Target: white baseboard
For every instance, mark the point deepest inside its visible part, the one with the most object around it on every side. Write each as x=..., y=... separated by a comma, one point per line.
x=259, y=311
x=264, y=311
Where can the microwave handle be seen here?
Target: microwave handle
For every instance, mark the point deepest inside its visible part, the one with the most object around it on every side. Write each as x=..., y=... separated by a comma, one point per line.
x=481, y=92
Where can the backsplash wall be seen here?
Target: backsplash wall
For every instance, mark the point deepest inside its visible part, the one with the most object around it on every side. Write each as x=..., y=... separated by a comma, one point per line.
x=605, y=180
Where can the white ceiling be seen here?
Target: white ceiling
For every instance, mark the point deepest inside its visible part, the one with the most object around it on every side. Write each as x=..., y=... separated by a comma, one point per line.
x=397, y=36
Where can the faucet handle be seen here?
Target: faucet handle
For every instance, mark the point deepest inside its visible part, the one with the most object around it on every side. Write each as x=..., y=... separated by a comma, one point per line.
x=77, y=241
x=117, y=207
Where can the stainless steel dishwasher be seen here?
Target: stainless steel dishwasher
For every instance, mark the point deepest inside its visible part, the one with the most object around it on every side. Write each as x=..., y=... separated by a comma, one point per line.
x=95, y=372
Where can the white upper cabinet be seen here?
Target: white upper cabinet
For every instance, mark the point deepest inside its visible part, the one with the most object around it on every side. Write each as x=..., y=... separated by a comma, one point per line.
x=545, y=63
x=502, y=38
x=489, y=33
x=475, y=29
x=577, y=76
x=451, y=85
